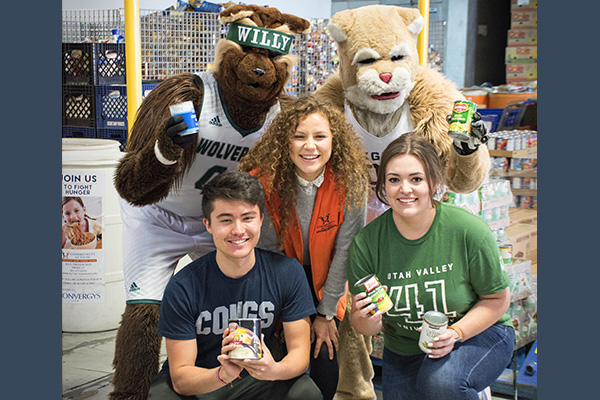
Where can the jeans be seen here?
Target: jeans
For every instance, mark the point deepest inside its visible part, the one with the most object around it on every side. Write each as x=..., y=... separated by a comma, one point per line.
x=468, y=369
x=247, y=388
x=323, y=371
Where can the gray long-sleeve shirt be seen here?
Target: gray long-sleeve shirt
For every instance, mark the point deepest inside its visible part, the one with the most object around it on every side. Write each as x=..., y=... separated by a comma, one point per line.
x=354, y=220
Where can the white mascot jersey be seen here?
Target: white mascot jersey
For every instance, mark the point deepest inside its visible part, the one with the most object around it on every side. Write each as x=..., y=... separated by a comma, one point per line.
x=221, y=145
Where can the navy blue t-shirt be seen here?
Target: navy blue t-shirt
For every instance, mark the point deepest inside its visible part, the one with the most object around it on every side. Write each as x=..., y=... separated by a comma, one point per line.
x=199, y=300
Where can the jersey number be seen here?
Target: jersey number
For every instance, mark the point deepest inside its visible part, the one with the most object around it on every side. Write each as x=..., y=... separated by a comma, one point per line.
x=209, y=174
x=407, y=304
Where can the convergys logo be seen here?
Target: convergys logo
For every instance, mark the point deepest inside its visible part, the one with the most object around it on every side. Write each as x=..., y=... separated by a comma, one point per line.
x=81, y=296
x=325, y=224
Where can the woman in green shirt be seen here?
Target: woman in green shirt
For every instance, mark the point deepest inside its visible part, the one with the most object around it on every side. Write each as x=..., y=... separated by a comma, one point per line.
x=431, y=256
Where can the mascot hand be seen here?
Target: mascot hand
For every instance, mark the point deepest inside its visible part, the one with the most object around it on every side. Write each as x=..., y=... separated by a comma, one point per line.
x=175, y=126
x=477, y=136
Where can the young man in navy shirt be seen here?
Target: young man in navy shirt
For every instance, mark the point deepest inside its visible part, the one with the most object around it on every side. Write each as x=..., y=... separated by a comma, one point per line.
x=237, y=280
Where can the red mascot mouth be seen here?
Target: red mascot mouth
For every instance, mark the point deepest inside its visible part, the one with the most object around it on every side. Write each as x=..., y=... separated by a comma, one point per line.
x=385, y=96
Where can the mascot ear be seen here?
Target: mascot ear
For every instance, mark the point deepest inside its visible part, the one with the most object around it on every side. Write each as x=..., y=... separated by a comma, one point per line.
x=339, y=23
x=296, y=24
x=266, y=17
x=413, y=19
x=235, y=13
x=336, y=32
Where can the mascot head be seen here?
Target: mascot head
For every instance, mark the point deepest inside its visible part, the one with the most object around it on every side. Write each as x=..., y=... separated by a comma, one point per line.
x=377, y=46
x=253, y=62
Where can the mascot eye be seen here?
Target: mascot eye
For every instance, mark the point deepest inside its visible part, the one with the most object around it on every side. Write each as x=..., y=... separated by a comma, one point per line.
x=397, y=58
x=273, y=54
x=367, y=61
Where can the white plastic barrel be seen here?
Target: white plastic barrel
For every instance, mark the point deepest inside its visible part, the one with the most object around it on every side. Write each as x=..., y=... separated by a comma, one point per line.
x=93, y=294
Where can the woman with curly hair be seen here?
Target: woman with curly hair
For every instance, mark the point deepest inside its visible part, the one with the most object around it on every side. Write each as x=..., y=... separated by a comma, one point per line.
x=315, y=174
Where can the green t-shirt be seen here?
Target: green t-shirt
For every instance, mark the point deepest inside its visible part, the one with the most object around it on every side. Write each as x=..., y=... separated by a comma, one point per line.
x=445, y=270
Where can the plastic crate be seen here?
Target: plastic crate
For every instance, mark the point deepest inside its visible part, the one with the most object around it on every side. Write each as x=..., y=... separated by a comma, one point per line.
x=78, y=105
x=111, y=106
x=78, y=132
x=113, y=134
x=491, y=117
x=147, y=87
x=93, y=63
x=498, y=119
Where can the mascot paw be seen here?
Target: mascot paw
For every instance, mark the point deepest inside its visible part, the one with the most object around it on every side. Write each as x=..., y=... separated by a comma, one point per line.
x=173, y=129
x=479, y=135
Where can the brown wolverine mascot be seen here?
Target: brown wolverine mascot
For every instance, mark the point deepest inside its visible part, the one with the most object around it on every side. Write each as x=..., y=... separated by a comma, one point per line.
x=161, y=173
x=386, y=93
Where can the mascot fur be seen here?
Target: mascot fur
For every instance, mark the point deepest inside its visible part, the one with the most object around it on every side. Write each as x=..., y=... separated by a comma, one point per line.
x=385, y=93
x=159, y=176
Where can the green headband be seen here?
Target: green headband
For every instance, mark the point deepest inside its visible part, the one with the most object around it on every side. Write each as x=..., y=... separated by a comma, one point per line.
x=263, y=38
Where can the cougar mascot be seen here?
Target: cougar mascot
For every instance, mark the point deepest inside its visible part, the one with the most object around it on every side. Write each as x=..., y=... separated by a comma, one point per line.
x=386, y=93
x=160, y=176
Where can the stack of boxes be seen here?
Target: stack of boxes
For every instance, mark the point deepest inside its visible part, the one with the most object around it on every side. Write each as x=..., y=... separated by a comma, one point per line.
x=521, y=51
x=515, y=230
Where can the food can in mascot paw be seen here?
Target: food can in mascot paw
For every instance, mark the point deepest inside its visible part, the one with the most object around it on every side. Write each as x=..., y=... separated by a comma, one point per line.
x=246, y=337
x=434, y=324
x=186, y=109
x=376, y=292
x=460, y=120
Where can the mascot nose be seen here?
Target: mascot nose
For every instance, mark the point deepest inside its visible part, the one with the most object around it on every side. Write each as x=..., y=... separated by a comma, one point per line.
x=386, y=76
x=259, y=72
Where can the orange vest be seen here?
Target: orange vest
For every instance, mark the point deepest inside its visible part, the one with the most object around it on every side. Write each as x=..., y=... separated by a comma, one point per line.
x=327, y=216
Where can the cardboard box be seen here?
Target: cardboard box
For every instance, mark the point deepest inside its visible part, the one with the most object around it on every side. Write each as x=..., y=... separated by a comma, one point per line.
x=520, y=54
x=523, y=238
x=521, y=72
x=522, y=37
x=523, y=18
x=522, y=216
x=523, y=5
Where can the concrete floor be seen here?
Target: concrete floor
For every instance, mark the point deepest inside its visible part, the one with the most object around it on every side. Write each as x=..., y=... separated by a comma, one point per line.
x=87, y=365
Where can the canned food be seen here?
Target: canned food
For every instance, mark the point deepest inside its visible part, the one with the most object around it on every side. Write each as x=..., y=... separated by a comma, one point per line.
x=506, y=250
x=186, y=109
x=246, y=337
x=501, y=143
x=376, y=292
x=434, y=324
x=460, y=120
x=516, y=182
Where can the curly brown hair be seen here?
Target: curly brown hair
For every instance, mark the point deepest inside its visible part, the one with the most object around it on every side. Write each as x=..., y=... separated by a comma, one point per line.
x=270, y=155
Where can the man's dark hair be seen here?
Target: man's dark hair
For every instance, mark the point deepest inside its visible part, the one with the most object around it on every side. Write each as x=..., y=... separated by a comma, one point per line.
x=232, y=186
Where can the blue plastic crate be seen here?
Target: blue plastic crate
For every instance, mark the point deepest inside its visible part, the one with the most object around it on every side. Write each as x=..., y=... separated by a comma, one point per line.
x=111, y=106
x=78, y=105
x=148, y=86
x=78, y=132
x=113, y=134
x=93, y=63
x=491, y=117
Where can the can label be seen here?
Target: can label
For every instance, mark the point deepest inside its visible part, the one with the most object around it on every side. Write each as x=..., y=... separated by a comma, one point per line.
x=507, y=253
x=460, y=120
x=246, y=337
x=186, y=109
x=434, y=324
x=376, y=292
